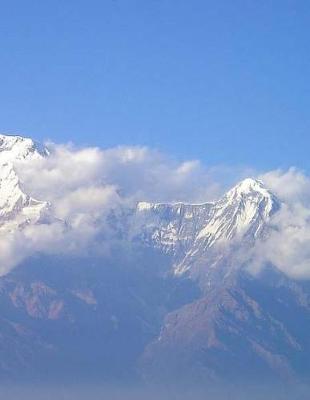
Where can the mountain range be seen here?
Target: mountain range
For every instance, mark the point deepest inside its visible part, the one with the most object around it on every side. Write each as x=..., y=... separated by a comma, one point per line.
x=175, y=298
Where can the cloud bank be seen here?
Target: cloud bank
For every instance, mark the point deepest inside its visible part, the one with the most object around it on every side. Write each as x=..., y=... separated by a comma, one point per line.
x=84, y=186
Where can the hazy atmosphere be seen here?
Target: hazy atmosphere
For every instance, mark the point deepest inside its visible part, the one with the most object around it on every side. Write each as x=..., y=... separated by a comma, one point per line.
x=154, y=200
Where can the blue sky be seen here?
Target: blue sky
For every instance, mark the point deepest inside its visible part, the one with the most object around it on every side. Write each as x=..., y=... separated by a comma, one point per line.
x=226, y=82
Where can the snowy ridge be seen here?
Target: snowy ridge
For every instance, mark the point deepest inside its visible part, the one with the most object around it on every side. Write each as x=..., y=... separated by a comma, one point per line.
x=188, y=232
x=171, y=227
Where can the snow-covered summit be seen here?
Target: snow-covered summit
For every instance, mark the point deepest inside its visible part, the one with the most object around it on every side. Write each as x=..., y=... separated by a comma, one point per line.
x=18, y=148
x=244, y=209
x=252, y=190
x=249, y=186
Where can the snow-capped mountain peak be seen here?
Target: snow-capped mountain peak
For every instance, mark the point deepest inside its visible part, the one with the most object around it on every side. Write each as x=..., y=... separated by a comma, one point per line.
x=16, y=206
x=244, y=209
x=189, y=231
x=249, y=186
x=18, y=148
x=251, y=190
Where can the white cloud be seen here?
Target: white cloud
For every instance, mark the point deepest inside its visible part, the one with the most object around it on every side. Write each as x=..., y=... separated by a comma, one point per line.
x=291, y=185
x=136, y=173
x=287, y=247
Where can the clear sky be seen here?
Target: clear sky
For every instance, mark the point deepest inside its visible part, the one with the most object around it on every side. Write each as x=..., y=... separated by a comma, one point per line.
x=227, y=82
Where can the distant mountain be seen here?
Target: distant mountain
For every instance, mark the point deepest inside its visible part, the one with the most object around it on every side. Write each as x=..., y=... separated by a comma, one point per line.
x=174, y=298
